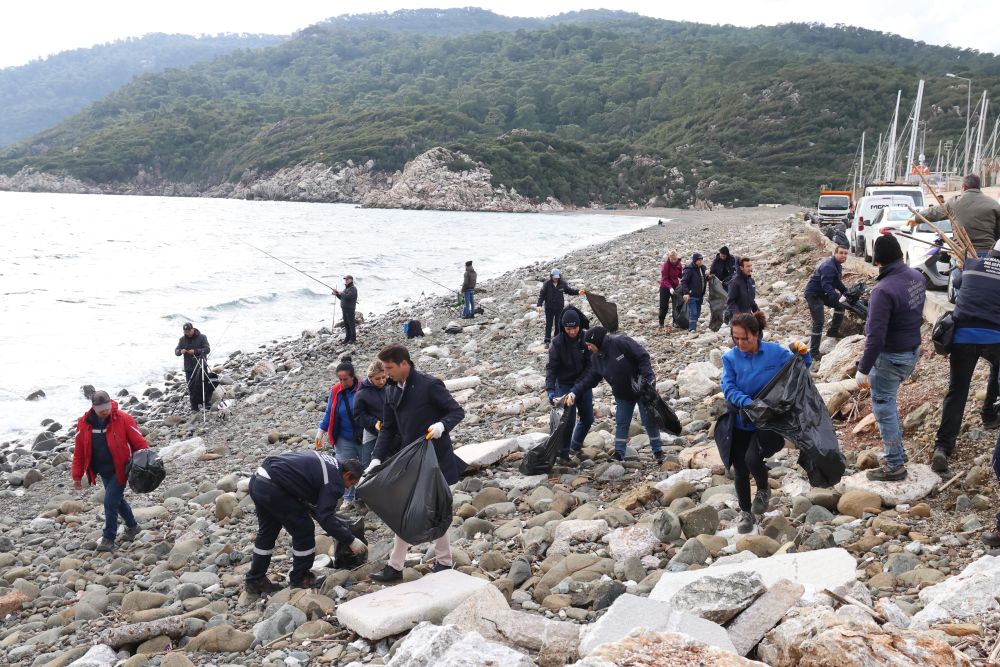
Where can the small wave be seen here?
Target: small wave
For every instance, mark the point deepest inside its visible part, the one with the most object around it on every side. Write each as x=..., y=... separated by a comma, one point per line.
x=71, y=300
x=249, y=301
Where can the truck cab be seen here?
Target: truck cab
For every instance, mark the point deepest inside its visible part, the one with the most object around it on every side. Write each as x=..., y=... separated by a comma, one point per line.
x=833, y=207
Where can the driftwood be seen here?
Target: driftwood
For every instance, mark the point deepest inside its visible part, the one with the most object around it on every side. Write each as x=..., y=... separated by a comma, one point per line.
x=847, y=599
x=959, y=230
x=956, y=247
x=950, y=482
x=135, y=633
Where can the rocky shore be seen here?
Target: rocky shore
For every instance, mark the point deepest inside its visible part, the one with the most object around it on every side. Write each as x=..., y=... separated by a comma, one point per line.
x=597, y=564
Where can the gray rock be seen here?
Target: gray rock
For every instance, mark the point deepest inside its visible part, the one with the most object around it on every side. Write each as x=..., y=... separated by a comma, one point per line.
x=520, y=571
x=285, y=620
x=719, y=599
x=44, y=442
x=699, y=520
x=692, y=553
x=666, y=526
x=751, y=625
x=902, y=562
x=818, y=514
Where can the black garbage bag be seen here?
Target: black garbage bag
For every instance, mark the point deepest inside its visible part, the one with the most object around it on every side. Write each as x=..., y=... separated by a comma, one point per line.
x=680, y=314
x=606, y=311
x=791, y=406
x=665, y=418
x=539, y=461
x=145, y=471
x=716, y=304
x=409, y=493
x=343, y=558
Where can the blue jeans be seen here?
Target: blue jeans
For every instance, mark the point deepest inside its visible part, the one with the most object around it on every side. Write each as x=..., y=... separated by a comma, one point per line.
x=624, y=408
x=996, y=470
x=891, y=369
x=115, y=504
x=584, y=407
x=470, y=303
x=694, y=312
x=345, y=448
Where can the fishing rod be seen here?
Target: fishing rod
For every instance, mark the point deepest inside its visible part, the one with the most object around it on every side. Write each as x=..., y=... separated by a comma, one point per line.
x=453, y=291
x=332, y=289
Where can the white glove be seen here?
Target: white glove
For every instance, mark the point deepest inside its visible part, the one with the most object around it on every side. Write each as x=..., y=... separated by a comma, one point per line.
x=862, y=380
x=671, y=291
x=358, y=547
x=435, y=431
x=843, y=299
x=371, y=466
x=570, y=398
x=319, y=438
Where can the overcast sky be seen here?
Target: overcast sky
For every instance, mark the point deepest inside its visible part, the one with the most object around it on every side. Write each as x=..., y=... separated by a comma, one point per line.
x=38, y=28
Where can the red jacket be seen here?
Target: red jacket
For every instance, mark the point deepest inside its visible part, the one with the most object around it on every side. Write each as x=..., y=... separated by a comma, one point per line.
x=670, y=274
x=124, y=437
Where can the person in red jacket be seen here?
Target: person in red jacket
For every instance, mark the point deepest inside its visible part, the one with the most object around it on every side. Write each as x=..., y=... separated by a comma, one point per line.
x=106, y=437
x=670, y=278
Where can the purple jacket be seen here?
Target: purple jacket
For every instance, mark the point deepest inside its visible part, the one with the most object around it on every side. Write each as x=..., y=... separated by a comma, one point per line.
x=895, y=313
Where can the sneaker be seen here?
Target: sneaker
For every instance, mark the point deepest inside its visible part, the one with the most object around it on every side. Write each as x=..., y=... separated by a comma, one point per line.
x=885, y=473
x=130, y=533
x=309, y=581
x=939, y=462
x=262, y=586
x=761, y=501
x=745, y=523
x=617, y=456
x=992, y=540
x=106, y=545
x=563, y=459
x=387, y=575
x=438, y=567
x=660, y=457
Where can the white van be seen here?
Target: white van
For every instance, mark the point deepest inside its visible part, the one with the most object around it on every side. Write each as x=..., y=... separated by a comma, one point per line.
x=914, y=192
x=864, y=214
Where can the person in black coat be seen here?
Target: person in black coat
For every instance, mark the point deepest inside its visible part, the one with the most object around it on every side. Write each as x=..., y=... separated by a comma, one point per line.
x=348, y=304
x=289, y=490
x=369, y=407
x=193, y=345
x=742, y=296
x=724, y=266
x=569, y=359
x=552, y=299
x=417, y=406
x=620, y=361
x=694, y=284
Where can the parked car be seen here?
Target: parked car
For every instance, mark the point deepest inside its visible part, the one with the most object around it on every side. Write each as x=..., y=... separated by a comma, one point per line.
x=886, y=221
x=864, y=215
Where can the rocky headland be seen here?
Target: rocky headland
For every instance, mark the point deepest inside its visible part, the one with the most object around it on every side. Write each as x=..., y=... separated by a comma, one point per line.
x=597, y=564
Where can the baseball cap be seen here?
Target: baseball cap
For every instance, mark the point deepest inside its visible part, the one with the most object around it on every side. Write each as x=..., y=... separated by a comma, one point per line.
x=555, y=273
x=188, y=326
x=101, y=401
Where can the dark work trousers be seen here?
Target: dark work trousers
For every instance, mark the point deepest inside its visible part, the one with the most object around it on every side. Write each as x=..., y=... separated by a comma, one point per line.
x=200, y=389
x=276, y=509
x=664, y=303
x=551, y=317
x=350, y=326
x=818, y=313
x=745, y=455
x=962, y=360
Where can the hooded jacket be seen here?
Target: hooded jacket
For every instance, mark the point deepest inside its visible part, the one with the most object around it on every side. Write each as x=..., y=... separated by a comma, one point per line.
x=330, y=416
x=199, y=343
x=670, y=274
x=551, y=295
x=569, y=358
x=694, y=281
x=724, y=269
x=469, y=279
x=895, y=313
x=124, y=438
x=827, y=282
x=369, y=405
x=619, y=360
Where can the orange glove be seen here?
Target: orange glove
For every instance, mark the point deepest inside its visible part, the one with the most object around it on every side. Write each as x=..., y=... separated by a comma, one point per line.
x=800, y=348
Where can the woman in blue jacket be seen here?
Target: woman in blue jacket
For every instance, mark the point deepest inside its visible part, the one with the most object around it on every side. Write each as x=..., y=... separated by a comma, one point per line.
x=746, y=369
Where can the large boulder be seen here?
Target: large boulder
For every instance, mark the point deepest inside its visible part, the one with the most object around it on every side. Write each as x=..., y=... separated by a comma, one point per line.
x=719, y=599
x=920, y=481
x=698, y=380
x=646, y=647
x=971, y=594
x=839, y=363
x=429, y=645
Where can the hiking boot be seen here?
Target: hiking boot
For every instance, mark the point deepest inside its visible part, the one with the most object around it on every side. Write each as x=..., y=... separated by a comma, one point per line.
x=761, y=501
x=991, y=420
x=939, y=462
x=834, y=333
x=816, y=356
x=439, y=567
x=618, y=456
x=106, y=545
x=130, y=533
x=309, y=581
x=387, y=575
x=992, y=540
x=745, y=523
x=660, y=457
x=885, y=473
x=262, y=586
x=564, y=459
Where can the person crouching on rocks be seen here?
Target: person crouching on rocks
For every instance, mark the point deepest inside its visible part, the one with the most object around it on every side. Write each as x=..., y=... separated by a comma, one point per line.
x=288, y=490
x=569, y=358
x=619, y=360
x=416, y=406
x=338, y=420
x=106, y=437
x=746, y=369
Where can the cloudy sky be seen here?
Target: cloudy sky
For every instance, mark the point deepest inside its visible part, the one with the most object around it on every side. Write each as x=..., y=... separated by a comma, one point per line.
x=42, y=27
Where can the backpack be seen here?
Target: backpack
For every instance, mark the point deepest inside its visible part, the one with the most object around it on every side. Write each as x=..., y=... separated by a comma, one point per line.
x=145, y=471
x=413, y=329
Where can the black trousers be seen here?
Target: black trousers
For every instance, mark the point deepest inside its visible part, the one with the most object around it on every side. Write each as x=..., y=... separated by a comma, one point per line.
x=817, y=310
x=276, y=510
x=747, y=460
x=665, y=303
x=962, y=362
x=350, y=326
x=200, y=389
x=550, y=321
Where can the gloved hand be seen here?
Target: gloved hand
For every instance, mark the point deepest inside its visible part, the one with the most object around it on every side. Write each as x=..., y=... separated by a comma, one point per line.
x=570, y=398
x=378, y=425
x=671, y=291
x=358, y=547
x=843, y=299
x=583, y=292
x=552, y=396
x=319, y=438
x=800, y=348
x=371, y=466
x=862, y=380
x=435, y=431
x=538, y=308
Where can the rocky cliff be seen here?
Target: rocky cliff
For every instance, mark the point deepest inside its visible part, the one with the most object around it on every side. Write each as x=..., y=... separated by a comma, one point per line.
x=30, y=180
x=315, y=182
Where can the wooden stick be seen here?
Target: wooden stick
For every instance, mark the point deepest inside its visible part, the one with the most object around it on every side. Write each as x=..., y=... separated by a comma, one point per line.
x=956, y=248
x=995, y=653
x=847, y=599
x=950, y=481
x=904, y=235
x=958, y=229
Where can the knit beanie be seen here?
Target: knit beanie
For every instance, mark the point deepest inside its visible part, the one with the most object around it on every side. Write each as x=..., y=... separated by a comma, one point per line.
x=887, y=250
x=596, y=336
x=571, y=318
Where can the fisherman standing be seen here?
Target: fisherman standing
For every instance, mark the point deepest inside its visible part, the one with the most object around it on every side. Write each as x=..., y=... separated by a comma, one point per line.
x=289, y=490
x=551, y=297
x=469, y=291
x=348, y=303
x=193, y=346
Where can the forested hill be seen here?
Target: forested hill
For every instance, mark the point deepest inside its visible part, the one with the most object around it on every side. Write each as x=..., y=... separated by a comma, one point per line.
x=36, y=96
x=752, y=115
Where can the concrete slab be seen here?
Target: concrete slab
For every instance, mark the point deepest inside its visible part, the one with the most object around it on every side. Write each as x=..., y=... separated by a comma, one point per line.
x=399, y=608
x=629, y=612
x=815, y=570
x=486, y=453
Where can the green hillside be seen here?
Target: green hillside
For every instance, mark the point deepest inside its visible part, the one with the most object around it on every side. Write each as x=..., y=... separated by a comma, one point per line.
x=754, y=115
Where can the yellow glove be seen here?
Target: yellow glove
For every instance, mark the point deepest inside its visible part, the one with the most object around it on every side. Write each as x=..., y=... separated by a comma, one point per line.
x=801, y=348
x=378, y=425
x=319, y=438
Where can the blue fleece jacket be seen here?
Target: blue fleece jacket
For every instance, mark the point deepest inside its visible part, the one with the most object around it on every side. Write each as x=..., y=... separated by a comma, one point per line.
x=744, y=375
